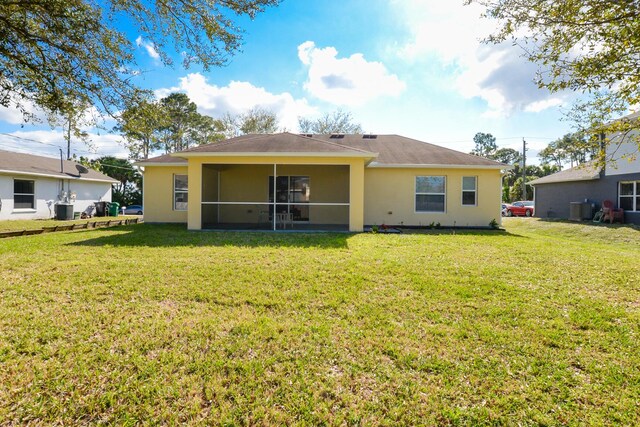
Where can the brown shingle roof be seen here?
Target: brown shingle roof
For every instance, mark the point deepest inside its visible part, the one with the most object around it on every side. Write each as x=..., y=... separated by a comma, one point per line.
x=586, y=172
x=400, y=150
x=386, y=150
x=29, y=164
x=277, y=143
x=164, y=159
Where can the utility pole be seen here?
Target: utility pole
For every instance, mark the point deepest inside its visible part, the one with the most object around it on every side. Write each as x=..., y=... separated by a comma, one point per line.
x=524, y=169
x=69, y=138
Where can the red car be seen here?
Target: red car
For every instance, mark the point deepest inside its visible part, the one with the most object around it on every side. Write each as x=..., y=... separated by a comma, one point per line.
x=520, y=208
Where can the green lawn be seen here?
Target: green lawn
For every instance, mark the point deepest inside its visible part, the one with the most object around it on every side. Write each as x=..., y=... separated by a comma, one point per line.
x=148, y=324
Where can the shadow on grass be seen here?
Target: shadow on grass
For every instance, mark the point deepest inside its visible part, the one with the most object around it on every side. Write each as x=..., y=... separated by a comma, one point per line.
x=177, y=235
x=170, y=235
x=615, y=225
x=501, y=232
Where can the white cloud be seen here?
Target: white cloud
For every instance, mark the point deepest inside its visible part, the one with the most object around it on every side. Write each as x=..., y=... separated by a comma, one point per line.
x=87, y=120
x=13, y=115
x=536, y=107
x=49, y=142
x=239, y=97
x=452, y=33
x=345, y=81
x=149, y=47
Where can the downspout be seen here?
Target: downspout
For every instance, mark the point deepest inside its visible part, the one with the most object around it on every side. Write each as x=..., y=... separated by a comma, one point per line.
x=603, y=154
x=62, y=172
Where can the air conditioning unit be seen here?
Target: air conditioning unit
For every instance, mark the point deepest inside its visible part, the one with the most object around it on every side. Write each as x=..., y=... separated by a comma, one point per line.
x=579, y=211
x=575, y=211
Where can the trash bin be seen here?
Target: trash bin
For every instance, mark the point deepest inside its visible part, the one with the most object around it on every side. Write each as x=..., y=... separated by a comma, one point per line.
x=101, y=208
x=114, y=207
x=77, y=215
x=64, y=211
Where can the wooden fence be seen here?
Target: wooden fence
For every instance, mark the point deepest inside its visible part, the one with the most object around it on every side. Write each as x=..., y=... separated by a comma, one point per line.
x=69, y=227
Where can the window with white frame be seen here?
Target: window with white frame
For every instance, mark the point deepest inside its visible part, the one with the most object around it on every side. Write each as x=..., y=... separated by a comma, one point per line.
x=430, y=193
x=24, y=196
x=469, y=191
x=180, y=192
x=629, y=196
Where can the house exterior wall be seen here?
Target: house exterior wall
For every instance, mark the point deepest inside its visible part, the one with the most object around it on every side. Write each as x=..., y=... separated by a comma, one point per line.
x=552, y=200
x=47, y=191
x=157, y=194
x=87, y=193
x=393, y=190
x=625, y=155
x=371, y=192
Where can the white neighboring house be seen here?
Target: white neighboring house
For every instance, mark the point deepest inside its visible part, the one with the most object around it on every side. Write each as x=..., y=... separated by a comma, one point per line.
x=31, y=185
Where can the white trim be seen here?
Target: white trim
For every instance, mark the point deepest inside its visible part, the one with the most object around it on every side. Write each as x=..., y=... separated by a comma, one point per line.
x=281, y=204
x=34, y=203
x=475, y=191
x=272, y=154
x=434, y=166
x=634, y=197
x=175, y=164
x=173, y=199
x=415, y=195
x=46, y=175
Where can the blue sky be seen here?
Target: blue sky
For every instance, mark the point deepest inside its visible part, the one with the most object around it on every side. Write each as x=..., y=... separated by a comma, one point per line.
x=410, y=67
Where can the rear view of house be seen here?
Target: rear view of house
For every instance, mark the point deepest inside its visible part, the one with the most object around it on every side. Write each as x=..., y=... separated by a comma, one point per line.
x=324, y=182
x=30, y=186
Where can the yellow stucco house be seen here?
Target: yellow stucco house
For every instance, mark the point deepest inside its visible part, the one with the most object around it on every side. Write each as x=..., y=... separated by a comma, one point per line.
x=321, y=182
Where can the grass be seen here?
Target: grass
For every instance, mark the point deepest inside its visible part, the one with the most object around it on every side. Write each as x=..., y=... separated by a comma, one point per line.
x=149, y=324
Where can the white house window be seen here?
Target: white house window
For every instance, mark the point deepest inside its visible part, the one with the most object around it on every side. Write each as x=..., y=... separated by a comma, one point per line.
x=469, y=190
x=23, y=194
x=180, y=192
x=430, y=193
x=629, y=196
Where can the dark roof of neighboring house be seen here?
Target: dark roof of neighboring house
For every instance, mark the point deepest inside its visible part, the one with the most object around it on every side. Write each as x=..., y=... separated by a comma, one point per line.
x=585, y=172
x=385, y=150
x=29, y=164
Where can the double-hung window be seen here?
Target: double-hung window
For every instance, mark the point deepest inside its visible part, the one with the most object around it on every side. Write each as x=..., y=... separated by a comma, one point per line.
x=430, y=193
x=180, y=192
x=629, y=196
x=469, y=191
x=24, y=196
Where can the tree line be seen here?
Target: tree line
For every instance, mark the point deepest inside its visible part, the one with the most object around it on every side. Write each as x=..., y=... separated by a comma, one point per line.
x=173, y=124
x=570, y=150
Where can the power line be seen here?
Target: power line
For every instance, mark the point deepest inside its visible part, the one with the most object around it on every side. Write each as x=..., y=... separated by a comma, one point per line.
x=26, y=151
x=497, y=139
x=56, y=145
x=45, y=143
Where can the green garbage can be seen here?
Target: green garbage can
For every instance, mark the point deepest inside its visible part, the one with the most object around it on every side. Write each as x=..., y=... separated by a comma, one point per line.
x=114, y=207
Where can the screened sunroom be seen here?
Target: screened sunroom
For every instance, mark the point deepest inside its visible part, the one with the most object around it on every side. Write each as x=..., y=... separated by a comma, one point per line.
x=275, y=197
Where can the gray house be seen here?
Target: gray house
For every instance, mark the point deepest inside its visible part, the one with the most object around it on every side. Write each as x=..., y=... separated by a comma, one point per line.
x=558, y=195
